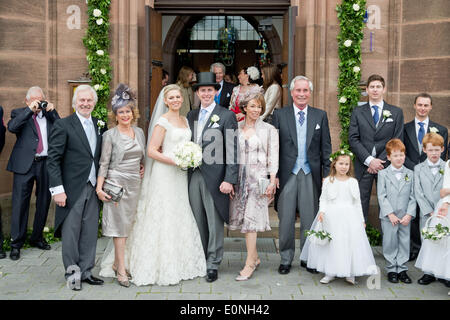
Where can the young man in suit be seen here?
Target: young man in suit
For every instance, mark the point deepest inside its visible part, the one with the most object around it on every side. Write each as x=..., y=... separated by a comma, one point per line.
x=413, y=135
x=428, y=181
x=224, y=92
x=28, y=161
x=372, y=125
x=397, y=207
x=211, y=185
x=73, y=162
x=305, y=148
x=2, y=144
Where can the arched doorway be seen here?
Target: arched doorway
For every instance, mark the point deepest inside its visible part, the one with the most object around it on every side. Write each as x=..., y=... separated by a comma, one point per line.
x=247, y=46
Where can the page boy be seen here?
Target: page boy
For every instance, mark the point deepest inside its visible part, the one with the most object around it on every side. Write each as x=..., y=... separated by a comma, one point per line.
x=397, y=208
x=428, y=179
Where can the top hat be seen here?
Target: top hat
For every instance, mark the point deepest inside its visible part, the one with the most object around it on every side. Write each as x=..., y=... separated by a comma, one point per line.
x=206, y=79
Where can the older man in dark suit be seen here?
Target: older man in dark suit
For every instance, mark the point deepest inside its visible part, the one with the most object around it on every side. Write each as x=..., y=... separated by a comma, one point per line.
x=73, y=162
x=305, y=148
x=2, y=144
x=224, y=92
x=414, y=132
x=372, y=125
x=28, y=161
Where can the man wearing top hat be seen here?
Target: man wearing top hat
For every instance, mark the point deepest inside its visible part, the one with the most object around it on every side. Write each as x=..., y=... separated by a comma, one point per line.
x=211, y=184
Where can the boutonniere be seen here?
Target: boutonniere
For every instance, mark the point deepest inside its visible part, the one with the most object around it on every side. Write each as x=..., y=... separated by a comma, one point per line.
x=434, y=129
x=100, y=125
x=407, y=178
x=214, y=119
x=386, y=114
x=441, y=171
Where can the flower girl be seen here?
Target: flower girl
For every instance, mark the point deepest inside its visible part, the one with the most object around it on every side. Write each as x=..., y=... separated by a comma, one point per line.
x=348, y=253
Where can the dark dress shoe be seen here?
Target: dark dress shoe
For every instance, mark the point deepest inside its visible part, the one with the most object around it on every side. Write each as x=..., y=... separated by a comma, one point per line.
x=310, y=270
x=393, y=277
x=93, y=280
x=426, y=279
x=15, y=254
x=2, y=254
x=284, y=268
x=403, y=277
x=445, y=282
x=211, y=275
x=41, y=245
x=413, y=256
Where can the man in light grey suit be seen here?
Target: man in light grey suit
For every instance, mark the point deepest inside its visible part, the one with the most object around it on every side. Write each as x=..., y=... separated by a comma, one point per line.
x=211, y=185
x=372, y=125
x=305, y=148
x=395, y=189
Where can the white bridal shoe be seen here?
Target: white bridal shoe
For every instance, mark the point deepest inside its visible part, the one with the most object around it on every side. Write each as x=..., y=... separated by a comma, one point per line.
x=351, y=280
x=326, y=279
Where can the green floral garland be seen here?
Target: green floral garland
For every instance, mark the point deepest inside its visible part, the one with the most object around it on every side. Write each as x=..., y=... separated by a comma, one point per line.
x=351, y=17
x=97, y=44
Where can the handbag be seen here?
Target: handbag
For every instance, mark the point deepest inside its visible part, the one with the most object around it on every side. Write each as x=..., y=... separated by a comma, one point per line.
x=113, y=190
x=263, y=184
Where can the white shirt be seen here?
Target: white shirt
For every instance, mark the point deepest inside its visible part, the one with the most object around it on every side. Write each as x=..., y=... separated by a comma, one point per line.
x=60, y=189
x=397, y=172
x=42, y=121
x=209, y=109
x=380, y=106
x=425, y=127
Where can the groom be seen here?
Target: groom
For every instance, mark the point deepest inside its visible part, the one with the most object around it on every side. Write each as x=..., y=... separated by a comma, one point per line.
x=211, y=185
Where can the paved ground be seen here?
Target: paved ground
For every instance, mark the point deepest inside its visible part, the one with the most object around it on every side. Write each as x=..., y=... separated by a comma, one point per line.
x=38, y=275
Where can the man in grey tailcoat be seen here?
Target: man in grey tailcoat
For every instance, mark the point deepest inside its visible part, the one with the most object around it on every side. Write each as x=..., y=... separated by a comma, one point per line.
x=305, y=148
x=73, y=162
x=211, y=185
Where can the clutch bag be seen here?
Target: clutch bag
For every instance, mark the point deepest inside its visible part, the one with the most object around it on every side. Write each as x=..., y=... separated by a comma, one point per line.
x=263, y=183
x=113, y=190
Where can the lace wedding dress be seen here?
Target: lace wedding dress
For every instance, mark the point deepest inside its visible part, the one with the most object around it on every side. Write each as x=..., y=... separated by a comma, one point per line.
x=164, y=246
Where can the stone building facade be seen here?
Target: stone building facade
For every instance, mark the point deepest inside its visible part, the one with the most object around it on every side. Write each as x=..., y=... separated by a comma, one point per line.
x=406, y=41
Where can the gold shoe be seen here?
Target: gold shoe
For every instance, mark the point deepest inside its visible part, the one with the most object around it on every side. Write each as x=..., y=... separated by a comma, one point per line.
x=115, y=271
x=257, y=263
x=242, y=277
x=123, y=283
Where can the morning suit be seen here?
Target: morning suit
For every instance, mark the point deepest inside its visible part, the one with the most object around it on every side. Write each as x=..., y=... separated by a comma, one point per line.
x=369, y=139
x=219, y=164
x=415, y=155
x=304, y=160
x=2, y=144
x=29, y=166
x=395, y=190
x=73, y=162
x=224, y=95
x=427, y=187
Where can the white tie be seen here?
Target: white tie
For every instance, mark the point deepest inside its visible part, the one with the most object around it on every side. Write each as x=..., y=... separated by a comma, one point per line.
x=201, y=124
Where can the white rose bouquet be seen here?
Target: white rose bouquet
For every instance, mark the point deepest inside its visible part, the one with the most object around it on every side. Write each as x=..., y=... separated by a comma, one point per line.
x=188, y=155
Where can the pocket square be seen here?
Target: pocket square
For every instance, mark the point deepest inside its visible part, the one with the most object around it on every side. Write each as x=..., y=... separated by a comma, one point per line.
x=215, y=125
x=228, y=94
x=389, y=120
x=317, y=126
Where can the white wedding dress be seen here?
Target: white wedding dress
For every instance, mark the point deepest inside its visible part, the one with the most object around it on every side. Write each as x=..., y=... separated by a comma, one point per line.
x=164, y=246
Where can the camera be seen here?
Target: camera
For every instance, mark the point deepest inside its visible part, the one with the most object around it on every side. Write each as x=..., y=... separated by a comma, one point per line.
x=42, y=105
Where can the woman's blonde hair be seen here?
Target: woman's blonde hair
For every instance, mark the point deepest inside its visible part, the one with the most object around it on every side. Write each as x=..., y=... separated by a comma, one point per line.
x=183, y=76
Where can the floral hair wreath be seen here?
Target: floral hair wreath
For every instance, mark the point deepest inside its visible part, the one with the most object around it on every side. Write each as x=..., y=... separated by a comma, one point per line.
x=253, y=73
x=342, y=152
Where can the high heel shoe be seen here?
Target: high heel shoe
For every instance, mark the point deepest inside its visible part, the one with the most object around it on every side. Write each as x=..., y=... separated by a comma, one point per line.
x=123, y=283
x=115, y=271
x=241, y=277
x=257, y=263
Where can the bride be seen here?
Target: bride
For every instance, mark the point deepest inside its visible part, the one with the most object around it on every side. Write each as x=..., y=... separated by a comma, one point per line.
x=164, y=246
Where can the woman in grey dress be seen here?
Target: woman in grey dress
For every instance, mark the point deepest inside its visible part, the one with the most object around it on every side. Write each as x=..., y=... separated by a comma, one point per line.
x=258, y=160
x=121, y=162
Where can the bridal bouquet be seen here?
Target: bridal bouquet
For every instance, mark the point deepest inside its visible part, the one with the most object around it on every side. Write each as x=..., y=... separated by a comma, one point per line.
x=188, y=155
x=318, y=235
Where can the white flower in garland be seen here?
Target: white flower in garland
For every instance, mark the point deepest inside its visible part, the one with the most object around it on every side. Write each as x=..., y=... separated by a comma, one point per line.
x=356, y=69
x=103, y=71
x=343, y=100
x=99, y=21
x=97, y=13
x=96, y=87
x=356, y=7
x=348, y=43
x=100, y=52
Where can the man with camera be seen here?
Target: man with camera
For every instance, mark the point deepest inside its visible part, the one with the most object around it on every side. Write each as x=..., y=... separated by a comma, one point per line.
x=32, y=126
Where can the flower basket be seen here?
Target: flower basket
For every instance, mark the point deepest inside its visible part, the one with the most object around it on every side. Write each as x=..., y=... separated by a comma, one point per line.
x=436, y=229
x=318, y=235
